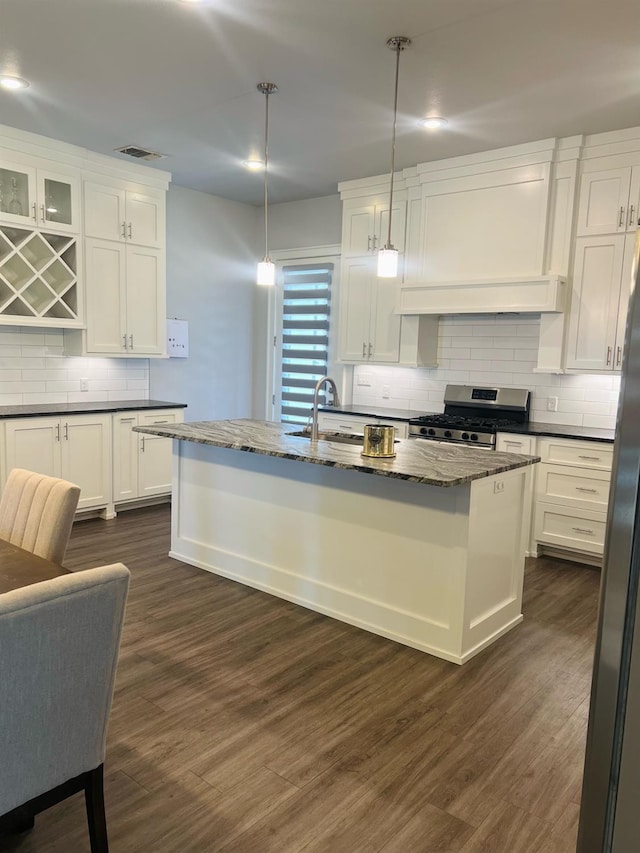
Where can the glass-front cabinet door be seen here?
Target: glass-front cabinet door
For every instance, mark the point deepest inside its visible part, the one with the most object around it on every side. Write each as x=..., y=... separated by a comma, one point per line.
x=17, y=194
x=58, y=207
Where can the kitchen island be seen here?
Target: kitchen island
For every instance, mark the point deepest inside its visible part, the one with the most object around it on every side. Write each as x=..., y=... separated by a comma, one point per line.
x=426, y=548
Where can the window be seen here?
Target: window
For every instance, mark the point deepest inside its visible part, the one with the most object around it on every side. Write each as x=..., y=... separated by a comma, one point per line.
x=302, y=356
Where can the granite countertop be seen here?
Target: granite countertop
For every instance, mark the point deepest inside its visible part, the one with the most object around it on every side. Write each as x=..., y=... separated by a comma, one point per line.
x=564, y=431
x=418, y=461
x=28, y=411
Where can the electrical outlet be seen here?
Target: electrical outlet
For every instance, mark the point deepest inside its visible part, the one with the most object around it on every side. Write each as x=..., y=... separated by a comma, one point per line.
x=498, y=486
x=552, y=404
x=385, y=392
x=84, y=384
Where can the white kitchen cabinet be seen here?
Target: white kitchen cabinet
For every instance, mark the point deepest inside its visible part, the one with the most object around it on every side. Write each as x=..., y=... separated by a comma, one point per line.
x=369, y=328
x=125, y=299
x=337, y=422
x=34, y=196
x=74, y=447
x=127, y=215
x=515, y=443
x=365, y=226
x=572, y=494
x=142, y=463
x=609, y=201
x=599, y=301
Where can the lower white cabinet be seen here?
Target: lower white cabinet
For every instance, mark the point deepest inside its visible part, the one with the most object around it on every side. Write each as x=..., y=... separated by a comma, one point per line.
x=514, y=443
x=572, y=494
x=142, y=463
x=74, y=447
x=335, y=422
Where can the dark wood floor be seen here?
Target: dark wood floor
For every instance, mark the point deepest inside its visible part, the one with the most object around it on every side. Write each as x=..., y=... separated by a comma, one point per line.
x=244, y=723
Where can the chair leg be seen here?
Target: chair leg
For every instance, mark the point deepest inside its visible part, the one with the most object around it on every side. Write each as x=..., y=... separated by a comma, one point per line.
x=96, y=818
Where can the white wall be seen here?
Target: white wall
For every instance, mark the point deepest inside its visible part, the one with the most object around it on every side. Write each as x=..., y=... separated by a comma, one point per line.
x=210, y=282
x=34, y=369
x=491, y=350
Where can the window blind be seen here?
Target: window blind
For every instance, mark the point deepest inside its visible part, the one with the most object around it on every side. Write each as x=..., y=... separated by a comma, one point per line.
x=306, y=305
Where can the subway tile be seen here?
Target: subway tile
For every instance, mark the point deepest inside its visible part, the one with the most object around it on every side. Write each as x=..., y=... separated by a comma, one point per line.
x=491, y=354
x=12, y=361
x=62, y=385
x=10, y=351
x=11, y=399
x=127, y=395
x=600, y=421
x=43, y=397
x=88, y=397
x=583, y=407
x=34, y=340
x=10, y=374
x=17, y=387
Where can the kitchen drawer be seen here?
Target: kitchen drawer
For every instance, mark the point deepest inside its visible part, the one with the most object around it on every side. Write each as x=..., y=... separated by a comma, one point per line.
x=573, y=487
x=343, y=423
x=512, y=443
x=581, y=454
x=580, y=530
x=160, y=416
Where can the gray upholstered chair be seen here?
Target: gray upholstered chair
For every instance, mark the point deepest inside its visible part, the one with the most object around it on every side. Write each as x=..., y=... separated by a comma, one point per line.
x=59, y=644
x=36, y=513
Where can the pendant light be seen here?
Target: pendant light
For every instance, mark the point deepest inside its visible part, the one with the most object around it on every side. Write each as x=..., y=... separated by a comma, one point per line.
x=266, y=267
x=388, y=254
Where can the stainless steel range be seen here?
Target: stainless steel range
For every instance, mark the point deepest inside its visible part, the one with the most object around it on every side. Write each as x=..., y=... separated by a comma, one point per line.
x=473, y=416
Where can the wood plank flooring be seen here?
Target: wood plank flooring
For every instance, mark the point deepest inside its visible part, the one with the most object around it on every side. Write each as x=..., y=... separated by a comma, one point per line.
x=245, y=724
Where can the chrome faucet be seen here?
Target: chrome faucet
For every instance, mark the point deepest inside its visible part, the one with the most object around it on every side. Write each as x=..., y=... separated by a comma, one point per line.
x=316, y=393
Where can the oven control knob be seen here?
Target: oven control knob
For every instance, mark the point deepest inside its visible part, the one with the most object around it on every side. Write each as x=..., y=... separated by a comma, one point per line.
x=447, y=433
x=473, y=436
x=431, y=432
x=465, y=436
x=424, y=431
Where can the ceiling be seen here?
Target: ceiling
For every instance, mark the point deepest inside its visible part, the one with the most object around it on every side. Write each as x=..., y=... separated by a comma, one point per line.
x=181, y=78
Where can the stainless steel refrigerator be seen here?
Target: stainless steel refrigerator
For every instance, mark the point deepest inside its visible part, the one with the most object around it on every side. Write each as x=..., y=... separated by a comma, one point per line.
x=610, y=810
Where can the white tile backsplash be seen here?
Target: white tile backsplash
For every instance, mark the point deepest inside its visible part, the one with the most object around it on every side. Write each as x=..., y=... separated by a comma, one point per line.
x=34, y=369
x=492, y=350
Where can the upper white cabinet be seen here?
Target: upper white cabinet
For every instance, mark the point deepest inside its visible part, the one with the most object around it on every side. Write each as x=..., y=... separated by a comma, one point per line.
x=125, y=299
x=609, y=200
x=599, y=301
x=369, y=328
x=34, y=196
x=365, y=226
x=112, y=212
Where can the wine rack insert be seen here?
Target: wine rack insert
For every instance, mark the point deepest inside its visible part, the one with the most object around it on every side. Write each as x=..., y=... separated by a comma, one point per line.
x=38, y=277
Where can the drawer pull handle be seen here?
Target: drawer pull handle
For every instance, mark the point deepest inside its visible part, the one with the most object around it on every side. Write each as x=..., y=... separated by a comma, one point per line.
x=582, y=489
x=166, y=422
x=583, y=530
x=621, y=220
x=590, y=458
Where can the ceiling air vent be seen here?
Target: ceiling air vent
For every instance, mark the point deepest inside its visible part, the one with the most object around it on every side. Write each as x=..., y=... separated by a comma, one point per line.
x=140, y=153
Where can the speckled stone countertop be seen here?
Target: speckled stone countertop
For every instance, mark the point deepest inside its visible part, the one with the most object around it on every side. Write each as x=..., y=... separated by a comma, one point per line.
x=426, y=462
x=29, y=411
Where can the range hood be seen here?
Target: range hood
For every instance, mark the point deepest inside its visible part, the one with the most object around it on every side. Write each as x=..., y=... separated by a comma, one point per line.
x=530, y=295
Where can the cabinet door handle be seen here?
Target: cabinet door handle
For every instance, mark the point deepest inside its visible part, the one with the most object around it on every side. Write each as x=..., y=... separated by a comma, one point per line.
x=124, y=341
x=583, y=489
x=130, y=341
x=609, y=354
x=130, y=234
x=370, y=350
x=364, y=349
x=583, y=530
x=57, y=432
x=66, y=432
x=34, y=217
x=124, y=230
x=142, y=444
x=375, y=240
x=369, y=243
x=590, y=458
x=632, y=211
x=621, y=220
x=44, y=219
x=618, y=356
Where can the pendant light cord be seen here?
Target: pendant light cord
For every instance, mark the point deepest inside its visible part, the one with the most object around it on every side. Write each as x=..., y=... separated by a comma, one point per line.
x=266, y=166
x=398, y=49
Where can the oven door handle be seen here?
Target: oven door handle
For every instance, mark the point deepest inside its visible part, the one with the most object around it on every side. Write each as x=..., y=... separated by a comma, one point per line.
x=466, y=444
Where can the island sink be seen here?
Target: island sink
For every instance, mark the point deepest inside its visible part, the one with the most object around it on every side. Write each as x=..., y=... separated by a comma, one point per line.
x=338, y=437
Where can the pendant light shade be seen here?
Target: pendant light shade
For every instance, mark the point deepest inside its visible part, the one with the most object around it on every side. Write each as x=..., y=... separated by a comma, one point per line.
x=388, y=254
x=266, y=273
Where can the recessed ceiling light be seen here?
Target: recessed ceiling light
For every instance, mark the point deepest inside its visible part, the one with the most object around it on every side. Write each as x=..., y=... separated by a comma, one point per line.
x=8, y=81
x=253, y=165
x=434, y=122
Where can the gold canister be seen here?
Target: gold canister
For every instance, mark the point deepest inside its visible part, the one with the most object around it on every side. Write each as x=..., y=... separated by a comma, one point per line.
x=379, y=441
